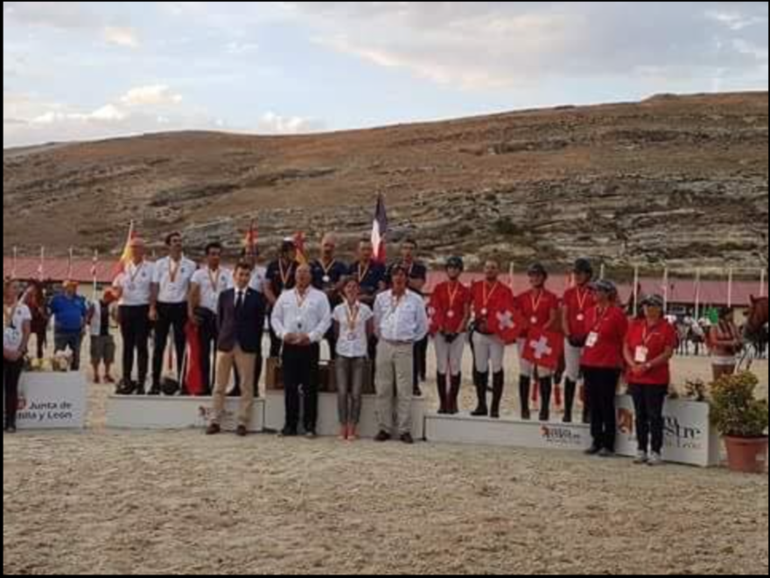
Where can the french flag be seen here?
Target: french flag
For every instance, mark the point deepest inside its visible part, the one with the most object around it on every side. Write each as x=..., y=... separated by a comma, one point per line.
x=380, y=231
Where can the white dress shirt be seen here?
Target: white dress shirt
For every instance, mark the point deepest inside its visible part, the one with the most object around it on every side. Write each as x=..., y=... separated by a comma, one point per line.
x=212, y=285
x=311, y=316
x=173, y=292
x=13, y=332
x=402, y=320
x=353, y=342
x=135, y=282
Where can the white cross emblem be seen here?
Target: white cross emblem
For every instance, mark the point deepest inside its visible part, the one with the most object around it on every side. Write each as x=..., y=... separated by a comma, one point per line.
x=542, y=348
x=506, y=320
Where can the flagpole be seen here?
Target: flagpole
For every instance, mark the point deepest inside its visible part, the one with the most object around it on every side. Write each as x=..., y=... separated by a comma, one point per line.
x=636, y=290
x=762, y=283
x=665, y=291
x=511, y=278
x=603, y=273
x=730, y=279
x=41, y=269
x=94, y=272
x=15, y=263
x=69, y=264
x=698, y=274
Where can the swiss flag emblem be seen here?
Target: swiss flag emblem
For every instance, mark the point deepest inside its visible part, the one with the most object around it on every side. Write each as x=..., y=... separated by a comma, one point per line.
x=544, y=348
x=507, y=323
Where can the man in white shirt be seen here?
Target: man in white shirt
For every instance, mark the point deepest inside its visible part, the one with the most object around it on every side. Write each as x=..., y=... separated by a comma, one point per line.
x=400, y=321
x=206, y=285
x=301, y=317
x=168, y=307
x=133, y=288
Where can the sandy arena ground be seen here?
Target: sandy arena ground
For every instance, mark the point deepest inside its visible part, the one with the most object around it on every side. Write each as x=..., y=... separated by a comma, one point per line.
x=136, y=503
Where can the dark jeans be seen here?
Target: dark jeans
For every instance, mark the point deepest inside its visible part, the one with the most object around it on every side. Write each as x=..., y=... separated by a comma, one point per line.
x=649, y=401
x=300, y=369
x=170, y=316
x=72, y=339
x=602, y=387
x=135, y=329
x=207, y=330
x=11, y=377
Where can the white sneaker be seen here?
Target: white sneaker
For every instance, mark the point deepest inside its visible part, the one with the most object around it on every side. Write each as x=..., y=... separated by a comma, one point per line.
x=641, y=459
x=655, y=460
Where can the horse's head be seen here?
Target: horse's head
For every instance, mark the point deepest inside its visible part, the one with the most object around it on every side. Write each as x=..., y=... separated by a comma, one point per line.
x=757, y=317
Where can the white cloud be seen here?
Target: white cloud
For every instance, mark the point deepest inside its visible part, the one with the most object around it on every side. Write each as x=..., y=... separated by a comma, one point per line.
x=517, y=45
x=272, y=123
x=154, y=95
x=123, y=37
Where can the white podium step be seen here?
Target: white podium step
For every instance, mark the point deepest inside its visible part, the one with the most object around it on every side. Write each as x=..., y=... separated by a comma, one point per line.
x=175, y=413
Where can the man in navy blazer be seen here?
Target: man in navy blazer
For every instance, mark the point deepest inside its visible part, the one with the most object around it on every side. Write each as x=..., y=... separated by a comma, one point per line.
x=241, y=319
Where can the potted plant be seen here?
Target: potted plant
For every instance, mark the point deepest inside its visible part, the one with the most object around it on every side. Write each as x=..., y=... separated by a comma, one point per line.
x=742, y=420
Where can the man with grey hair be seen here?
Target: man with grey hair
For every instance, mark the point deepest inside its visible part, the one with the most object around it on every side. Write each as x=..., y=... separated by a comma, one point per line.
x=301, y=317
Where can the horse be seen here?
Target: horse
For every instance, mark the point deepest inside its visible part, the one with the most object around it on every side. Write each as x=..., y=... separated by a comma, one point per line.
x=755, y=332
x=36, y=298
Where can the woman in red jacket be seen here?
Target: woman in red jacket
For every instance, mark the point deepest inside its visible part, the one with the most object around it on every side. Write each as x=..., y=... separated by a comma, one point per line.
x=648, y=350
x=602, y=365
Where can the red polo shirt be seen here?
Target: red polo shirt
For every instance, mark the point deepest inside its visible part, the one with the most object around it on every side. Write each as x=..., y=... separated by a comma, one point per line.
x=449, y=302
x=537, y=309
x=610, y=327
x=577, y=302
x=656, y=339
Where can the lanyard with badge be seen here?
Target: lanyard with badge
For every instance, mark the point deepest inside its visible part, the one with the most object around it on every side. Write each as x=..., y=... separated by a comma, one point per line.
x=133, y=277
x=642, y=352
x=452, y=298
x=536, y=306
x=582, y=298
x=593, y=337
x=487, y=297
x=173, y=270
x=327, y=278
x=214, y=280
x=352, y=314
x=301, y=299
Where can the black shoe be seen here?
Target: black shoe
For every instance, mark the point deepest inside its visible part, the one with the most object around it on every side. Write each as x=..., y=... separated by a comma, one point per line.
x=546, y=390
x=417, y=392
x=139, y=389
x=241, y=432
x=155, y=391
x=407, y=439
x=605, y=453
x=125, y=388
x=213, y=430
x=454, y=394
x=288, y=433
x=10, y=429
x=593, y=451
x=498, y=387
x=382, y=437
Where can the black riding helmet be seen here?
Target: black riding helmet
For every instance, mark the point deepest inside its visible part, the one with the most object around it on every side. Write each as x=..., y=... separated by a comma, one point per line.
x=584, y=266
x=455, y=263
x=537, y=269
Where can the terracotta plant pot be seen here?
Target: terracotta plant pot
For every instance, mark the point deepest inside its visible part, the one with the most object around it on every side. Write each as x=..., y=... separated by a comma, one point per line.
x=747, y=456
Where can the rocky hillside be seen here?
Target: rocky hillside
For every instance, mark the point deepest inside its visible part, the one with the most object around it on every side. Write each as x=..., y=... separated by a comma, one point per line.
x=680, y=180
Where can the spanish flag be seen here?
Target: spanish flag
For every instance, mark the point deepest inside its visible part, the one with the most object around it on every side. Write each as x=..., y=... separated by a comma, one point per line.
x=299, y=242
x=125, y=258
x=250, y=241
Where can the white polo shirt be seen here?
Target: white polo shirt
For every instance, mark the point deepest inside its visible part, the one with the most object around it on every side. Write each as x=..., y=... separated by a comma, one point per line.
x=212, y=285
x=173, y=279
x=136, y=284
x=353, y=340
x=13, y=333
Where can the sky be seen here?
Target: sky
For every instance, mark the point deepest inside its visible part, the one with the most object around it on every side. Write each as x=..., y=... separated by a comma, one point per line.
x=92, y=70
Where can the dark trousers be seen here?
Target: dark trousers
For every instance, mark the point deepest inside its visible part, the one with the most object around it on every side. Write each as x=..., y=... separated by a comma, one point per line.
x=209, y=334
x=331, y=339
x=11, y=377
x=601, y=388
x=648, y=402
x=170, y=316
x=420, y=362
x=72, y=340
x=135, y=329
x=300, y=370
